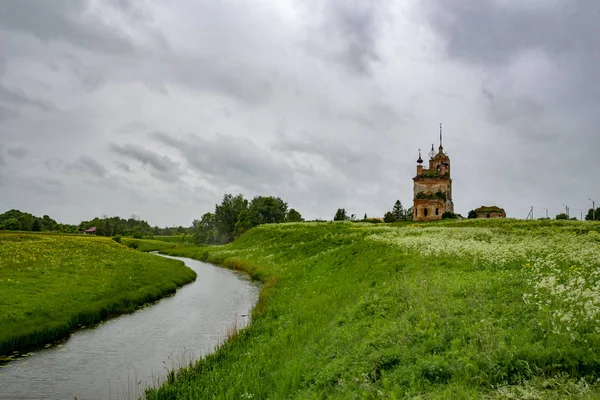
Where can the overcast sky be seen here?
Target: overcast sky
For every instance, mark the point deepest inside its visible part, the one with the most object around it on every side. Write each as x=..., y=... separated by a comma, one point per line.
x=158, y=108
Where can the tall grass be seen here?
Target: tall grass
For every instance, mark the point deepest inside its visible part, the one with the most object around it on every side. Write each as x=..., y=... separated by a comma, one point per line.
x=53, y=284
x=448, y=310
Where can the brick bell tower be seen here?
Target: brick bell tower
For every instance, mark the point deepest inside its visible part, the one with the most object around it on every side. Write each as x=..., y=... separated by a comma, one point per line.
x=433, y=186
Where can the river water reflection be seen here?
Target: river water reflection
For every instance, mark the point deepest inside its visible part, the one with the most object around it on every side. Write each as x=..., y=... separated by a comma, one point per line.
x=118, y=358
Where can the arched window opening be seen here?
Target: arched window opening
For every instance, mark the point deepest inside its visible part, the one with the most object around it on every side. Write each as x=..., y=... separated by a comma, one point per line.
x=424, y=212
x=437, y=211
x=488, y=215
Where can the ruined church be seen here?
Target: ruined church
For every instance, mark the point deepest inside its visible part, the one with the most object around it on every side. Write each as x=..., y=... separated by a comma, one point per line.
x=433, y=186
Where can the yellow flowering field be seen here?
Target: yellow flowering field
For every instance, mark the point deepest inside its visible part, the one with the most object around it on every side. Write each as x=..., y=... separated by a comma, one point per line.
x=51, y=284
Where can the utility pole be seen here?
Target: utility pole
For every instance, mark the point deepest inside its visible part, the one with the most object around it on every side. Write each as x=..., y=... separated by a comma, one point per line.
x=546, y=213
x=566, y=210
x=530, y=214
x=593, y=209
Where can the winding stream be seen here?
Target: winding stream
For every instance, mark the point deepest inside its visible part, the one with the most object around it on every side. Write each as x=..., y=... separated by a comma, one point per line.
x=117, y=359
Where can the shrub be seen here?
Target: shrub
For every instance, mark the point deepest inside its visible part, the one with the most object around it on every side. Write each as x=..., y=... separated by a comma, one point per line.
x=117, y=238
x=389, y=217
x=12, y=224
x=449, y=215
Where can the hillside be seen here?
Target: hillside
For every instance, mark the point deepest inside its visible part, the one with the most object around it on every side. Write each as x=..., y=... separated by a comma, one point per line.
x=458, y=309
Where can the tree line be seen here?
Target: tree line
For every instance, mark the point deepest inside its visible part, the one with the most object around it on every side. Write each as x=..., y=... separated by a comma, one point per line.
x=235, y=215
x=398, y=213
x=16, y=220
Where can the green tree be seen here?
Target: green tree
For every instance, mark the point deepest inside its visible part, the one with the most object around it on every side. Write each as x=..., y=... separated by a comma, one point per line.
x=590, y=215
x=12, y=224
x=36, y=226
x=398, y=211
x=389, y=217
x=293, y=216
x=408, y=214
x=340, y=215
x=472, y=214
x=267, y=210
x=365, y=217
x=227, y=215
x=562, y=216
x=48, y=224
x=206, y=231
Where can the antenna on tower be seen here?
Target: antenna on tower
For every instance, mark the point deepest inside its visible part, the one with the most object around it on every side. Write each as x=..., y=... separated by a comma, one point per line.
x=441, y=136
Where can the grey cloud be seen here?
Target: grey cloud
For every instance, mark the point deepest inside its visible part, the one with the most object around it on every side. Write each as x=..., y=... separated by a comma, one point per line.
x=506, y=107
x=133, y=127
x=54, y=165
x=493, y=32
x=349, y=32
x=88, y=164
x=123, y=167
x=19, y=97
x=496, y=34
x=234, y=160
x=164, y=167
x=63, y=20
x=355, y=164
x=18, y=152
x=45, y=185
x=7, y=113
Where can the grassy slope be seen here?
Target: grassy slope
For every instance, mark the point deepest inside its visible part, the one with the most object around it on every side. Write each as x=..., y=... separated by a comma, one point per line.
x=52, y=284
x=147, y=245
x=355, y=310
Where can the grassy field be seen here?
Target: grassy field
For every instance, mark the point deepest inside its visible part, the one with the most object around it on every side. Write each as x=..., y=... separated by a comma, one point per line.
x=458, y=309
x=51, y=284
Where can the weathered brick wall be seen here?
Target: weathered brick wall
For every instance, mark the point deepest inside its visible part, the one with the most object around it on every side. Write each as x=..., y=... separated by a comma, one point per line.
x=490, y=215
x=431, y=205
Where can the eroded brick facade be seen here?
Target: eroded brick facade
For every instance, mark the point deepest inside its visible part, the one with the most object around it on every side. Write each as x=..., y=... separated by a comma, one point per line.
x=432, y=193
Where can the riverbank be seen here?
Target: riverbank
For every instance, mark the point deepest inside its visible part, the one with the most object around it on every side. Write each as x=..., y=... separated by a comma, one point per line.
x=497, y=309
x=120, y=357
x=51, y=284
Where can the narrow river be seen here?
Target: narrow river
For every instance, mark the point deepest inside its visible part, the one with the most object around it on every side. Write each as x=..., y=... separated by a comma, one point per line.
x=120, y=357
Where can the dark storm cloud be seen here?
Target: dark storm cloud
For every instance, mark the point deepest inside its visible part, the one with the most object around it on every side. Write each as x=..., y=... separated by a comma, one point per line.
x=18, y=152
x=18, y=97
x=162, y=166
x=348, y=33
x=89, y=165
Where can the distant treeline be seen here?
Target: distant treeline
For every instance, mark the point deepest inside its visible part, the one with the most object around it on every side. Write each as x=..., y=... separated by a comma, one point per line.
x=235, y=215
x=16, y=220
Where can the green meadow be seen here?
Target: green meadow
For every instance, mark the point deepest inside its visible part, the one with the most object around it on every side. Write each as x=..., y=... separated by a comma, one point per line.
x=457, y=309
x=51, y=284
